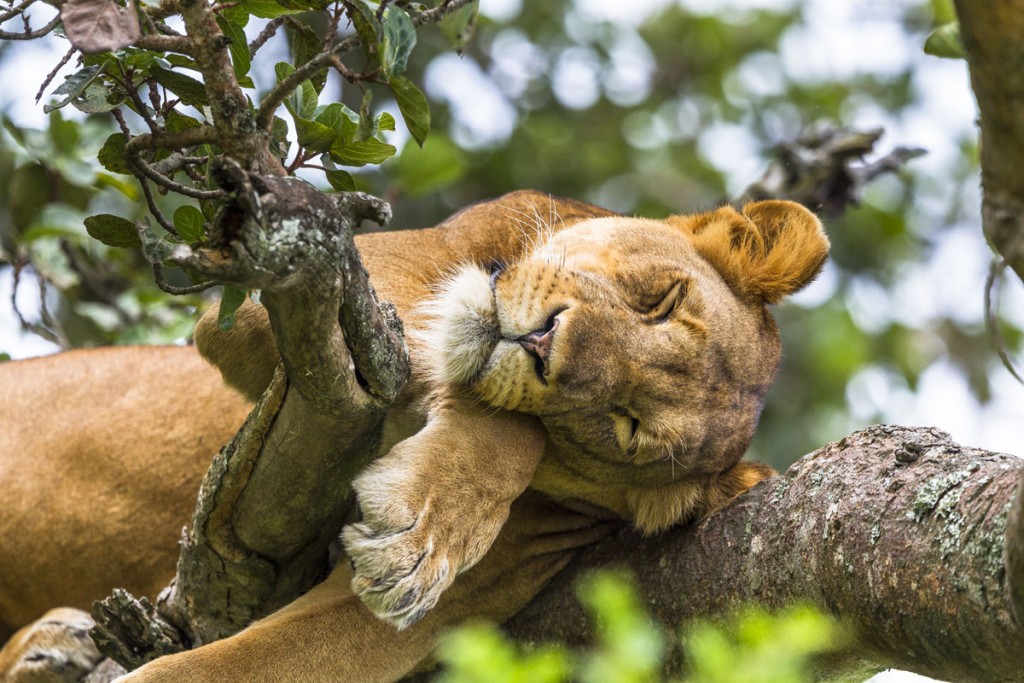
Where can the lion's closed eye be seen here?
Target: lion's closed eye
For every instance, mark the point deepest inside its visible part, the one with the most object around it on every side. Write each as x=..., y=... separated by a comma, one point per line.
x=669, y=301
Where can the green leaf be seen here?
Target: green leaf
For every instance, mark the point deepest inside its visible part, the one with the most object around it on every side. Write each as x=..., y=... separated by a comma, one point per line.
x=113, y=231
x=111, y=155
x=305, y=45
x=181, y=61
x=366, y=25
x=239, y=46
x=230, y=301
x=341, y=181
x=141, y=60
x=314, y=136
x=302, y=103
x=188, y=221
x=63, y=133
x=98, y=98
x=413, y=105
x=17, y=133
x=177, y=122
x=74, y=84
x=188, y=89
x=371, y=151
x=125, y=186
x=397, y=41
x=435, y=166
x=945, y=42
x=458, y=26
x=236, y=15
x=340, y=119
x=385, y=122
x=271, y=9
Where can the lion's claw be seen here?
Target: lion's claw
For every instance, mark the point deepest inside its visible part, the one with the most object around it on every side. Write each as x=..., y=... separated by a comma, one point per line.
x=399, y=576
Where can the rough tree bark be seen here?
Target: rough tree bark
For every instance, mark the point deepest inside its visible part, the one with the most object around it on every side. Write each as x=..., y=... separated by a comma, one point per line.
x=912, y=538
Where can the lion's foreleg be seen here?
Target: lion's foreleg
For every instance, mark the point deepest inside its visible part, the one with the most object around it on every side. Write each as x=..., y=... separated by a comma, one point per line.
x=434, y=504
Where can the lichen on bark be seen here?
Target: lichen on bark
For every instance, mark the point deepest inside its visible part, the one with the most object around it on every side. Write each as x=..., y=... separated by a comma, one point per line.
x=900, y=531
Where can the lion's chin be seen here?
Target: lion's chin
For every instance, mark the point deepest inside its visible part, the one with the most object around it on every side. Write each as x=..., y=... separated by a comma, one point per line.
x=464, y=327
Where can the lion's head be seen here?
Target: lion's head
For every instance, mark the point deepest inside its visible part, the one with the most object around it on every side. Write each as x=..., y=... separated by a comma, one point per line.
x=644, y=346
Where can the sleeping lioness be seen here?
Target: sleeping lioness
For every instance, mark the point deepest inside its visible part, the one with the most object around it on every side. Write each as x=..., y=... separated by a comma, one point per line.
x=569, y=366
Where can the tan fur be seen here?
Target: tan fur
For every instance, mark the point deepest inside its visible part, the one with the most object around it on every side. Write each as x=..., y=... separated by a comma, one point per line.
x=54, y=649
x=659, y=326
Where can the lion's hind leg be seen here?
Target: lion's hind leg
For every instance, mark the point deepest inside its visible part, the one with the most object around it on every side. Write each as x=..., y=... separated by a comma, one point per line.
x=325, y=636
x=55, y=648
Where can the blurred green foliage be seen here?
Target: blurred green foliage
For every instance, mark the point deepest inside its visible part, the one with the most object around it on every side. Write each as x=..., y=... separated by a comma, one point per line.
x=667, y=113
x=750, y=646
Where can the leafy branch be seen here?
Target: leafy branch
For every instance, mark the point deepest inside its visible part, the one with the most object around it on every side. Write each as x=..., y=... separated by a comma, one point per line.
x=181, y=100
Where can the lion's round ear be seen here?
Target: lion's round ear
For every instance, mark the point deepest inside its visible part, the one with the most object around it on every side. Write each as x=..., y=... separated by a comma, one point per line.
x=769, y=251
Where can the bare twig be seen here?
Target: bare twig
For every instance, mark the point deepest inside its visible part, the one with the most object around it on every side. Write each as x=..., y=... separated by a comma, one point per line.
x=145, y=169
x=166, y=140
x=332, y=27
x=266, y=34
x=29, y=34
x=50, y=76
x=158, y=274
x=121, y=123
x=18, y=264
x=438, y=13
x=16, y=10
x=133, y=93
x=995, y=331
x=352, y=76
x=154, y=209
x=273, y=99
x=176, y=162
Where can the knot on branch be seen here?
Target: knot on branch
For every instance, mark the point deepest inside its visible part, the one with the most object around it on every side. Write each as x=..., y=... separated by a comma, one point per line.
x=823, y=168
x=274, y=233
x=130, y=632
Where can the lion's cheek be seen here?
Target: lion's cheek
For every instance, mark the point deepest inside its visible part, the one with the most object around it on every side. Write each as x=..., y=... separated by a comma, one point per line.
x=462, y=327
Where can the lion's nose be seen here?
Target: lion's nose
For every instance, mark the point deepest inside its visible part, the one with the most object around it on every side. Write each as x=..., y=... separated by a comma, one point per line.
x=538, y=345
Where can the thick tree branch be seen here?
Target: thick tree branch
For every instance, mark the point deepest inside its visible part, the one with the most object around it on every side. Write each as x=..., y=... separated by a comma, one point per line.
x=275, y=497
x=991, y=34
x=901, y=531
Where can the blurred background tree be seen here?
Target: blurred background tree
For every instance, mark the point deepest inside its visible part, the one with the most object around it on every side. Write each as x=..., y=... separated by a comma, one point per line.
x=649, y=107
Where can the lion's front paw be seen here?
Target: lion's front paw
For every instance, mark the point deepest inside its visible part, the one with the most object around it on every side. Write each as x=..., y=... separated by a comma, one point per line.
x=408, y=548
x=399, y=573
